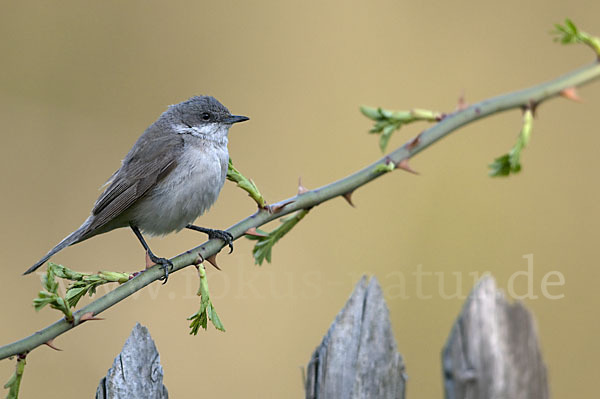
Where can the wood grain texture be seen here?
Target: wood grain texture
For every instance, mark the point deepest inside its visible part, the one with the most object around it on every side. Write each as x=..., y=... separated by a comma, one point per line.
x=492, y=351
x=136, y=371
x=358, y=357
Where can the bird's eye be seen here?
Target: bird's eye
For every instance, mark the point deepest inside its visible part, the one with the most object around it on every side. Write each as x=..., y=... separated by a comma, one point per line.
x=205, y=116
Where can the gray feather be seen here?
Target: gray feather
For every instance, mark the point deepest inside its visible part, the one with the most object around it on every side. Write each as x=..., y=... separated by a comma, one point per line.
x=150, y=160
x=71, y=239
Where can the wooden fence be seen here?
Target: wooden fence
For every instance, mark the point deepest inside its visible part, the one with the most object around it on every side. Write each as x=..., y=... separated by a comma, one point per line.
x=492, y=352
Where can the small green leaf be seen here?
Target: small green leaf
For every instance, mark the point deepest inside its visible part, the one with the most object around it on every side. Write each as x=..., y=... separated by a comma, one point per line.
x=50, y=296
x=216, y=321
x=207, y=310
x=74, y=294
x=245, y=184
x=44, y=298
x=378, y=127
x=64, y=272
x=49, y=280
x=387, y=122
x=500, y=166
x=386, y=136
x=511, y=162
x=569, y=33
x=113, y=277
x=371, y=113
x=384, y=167
x=55, y=301
x=82, y=284
x=385, y=114
x=262, y=249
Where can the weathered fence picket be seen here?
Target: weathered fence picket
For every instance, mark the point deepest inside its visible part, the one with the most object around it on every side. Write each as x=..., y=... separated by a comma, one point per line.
x=358, y=357
x=136, y=371
x=492, y=350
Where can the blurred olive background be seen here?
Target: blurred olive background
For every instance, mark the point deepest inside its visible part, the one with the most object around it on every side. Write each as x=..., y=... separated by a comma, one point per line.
x=80, y=81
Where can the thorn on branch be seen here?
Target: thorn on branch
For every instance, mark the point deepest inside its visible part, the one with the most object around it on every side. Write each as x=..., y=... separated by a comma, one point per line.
x=570, y=93
x=301, y=188
x=405, y=166
x=253, y=232
x=213, y=261
x=50, y=343
x=414, y=142
x=348, y=198
x=278, y=207
x=89, y=316
x=461, y=104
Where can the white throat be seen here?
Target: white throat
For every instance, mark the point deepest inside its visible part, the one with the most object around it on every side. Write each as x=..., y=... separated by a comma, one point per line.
x=214, y=132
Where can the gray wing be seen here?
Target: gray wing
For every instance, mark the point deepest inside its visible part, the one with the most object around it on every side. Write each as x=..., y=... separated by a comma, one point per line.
x=152, y=158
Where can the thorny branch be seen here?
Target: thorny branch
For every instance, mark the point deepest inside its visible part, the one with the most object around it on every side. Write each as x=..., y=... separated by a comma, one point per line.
x=529, y=98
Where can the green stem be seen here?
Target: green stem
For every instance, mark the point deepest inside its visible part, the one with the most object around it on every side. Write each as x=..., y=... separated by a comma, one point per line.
x=14, y=384
x=534, y=95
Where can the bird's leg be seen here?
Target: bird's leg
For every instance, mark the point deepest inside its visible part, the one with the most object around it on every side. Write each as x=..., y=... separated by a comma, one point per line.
x=220, y=234
x=165, y=263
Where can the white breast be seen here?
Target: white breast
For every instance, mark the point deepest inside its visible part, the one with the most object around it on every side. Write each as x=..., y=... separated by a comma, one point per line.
x=187, y=192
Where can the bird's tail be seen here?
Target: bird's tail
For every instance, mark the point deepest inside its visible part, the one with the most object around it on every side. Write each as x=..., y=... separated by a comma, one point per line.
x=78, y=235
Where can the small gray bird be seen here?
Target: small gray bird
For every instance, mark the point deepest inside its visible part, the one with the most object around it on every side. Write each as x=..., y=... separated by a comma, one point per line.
x=172, y=174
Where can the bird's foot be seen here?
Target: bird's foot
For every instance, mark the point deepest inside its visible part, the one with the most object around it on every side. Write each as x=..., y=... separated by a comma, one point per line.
x=226, y=236
x=164, y=263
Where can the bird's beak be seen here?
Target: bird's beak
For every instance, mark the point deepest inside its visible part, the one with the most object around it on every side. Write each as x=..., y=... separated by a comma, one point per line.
x=236, y=118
